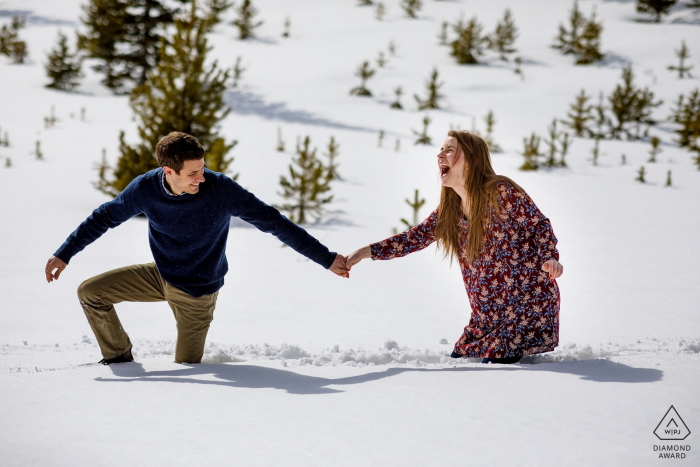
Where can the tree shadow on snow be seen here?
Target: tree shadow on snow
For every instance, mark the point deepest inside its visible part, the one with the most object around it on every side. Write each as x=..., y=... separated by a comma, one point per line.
x=258, y=377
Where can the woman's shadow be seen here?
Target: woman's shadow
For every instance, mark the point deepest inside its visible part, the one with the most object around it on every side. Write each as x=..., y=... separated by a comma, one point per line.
x=259, y=377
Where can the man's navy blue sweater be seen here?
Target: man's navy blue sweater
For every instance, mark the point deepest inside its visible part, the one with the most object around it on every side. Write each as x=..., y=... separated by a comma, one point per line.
x=188, y=233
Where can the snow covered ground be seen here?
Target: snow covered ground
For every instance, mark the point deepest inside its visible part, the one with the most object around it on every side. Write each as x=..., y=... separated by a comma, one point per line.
x=305, y=368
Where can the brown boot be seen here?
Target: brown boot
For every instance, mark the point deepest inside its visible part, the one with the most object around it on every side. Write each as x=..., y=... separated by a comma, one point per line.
x=124, y=358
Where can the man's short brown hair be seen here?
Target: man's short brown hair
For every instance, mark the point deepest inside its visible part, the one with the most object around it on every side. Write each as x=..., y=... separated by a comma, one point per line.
x=176, y=148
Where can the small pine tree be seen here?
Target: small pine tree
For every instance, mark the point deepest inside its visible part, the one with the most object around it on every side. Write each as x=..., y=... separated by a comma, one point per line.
x=397, y=103
x=600, y=118
x=568, y=40
x=517, y=68
x=469, y=45
x=10, y=44
x=655, y=149
x=364, y=72
x=237, y=72
x=564, y=150
x=365, y=2
x=411, y=7
x=551, y=154
x=442, y=37
x=306, y=187
x=381, y=137
x=416, y=204
x=63, y=68
x=287, y=26
x=531, y=153
x=579, y=115
x=668, y=179
x=332, y=155
x=184, y=93
x=392, y=48
x=8, y=162
x=503, y=38
x=37, y=151
x=6, y=141
x=380, y=11
x=51, y=120
x=490, y=121
x=596, y=151
x=423, y=137
x=640, y=175
x=688, y=116
x=589, y=42
x=280, y=143
x=623, y=160
x=630, y=105
x=432, y=89
x=245, y=23
x=215, y=8
x=682, y=55
x=381, y=60
x=655, y=7
x=397, y=146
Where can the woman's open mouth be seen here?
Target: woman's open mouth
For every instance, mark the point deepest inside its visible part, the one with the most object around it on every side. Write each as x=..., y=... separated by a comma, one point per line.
x=444, y=169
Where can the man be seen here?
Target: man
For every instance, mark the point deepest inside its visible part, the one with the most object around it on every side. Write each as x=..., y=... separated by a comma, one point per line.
x=189, y=209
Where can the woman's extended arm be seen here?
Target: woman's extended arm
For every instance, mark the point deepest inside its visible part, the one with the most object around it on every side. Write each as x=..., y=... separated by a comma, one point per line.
x=412, y=240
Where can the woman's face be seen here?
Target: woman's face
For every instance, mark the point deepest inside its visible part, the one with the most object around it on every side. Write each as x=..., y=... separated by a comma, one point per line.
x=451, y=164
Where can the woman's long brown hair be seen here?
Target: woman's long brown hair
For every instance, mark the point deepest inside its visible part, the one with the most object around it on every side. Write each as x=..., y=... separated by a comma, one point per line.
x=481, y=183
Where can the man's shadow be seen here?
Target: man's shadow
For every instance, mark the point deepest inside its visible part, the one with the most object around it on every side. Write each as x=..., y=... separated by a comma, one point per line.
x=259, y=377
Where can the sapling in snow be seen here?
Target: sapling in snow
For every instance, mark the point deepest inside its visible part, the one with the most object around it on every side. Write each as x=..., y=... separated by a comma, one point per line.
x=416, y=204
x=381, y=60
x=215, y=8
x=490, y=121
x=582, y=38
x=552, y=149
x=442, y=36
x=503, y=38
x=579, y=115
x=8, y=162
x=469, y=45
x=397, y=103
x=569, y=39
x=630, y=105
x=37, y=151
x=332, y=166
x=10, y=43
x=432, y=90
x=305, y=189
x=51, y=120
x=517, y=68
x=237, y=72
x=589, y=42
x=655, y=7
x=381, y=137
x=423, y=137
x=63, y=67
x=392, y=48
x=280, y=142
x=364, y=72
x=595, y=152
x=411, y=7
x=623, y=160
x=655, y=149
x=397, y=146
x=682, y=55
x=640, y=175
x=380, y=11
x=245, y=23
x=687, y=115
x=668, y=179
x=287, y=25
x=531, y=152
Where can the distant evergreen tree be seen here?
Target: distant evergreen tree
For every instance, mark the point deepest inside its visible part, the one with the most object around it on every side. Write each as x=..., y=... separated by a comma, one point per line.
x=411, y=7
x=365, y=2
x=579, y=115
x=682, y=55
x=280, y=142
x=596, y=151
x=10, y=44
x=630, y=105
x=392, y=47
x=423, y=137
x=490, y=121
x=516, y=69
x=503, y=38
x=551, y=155
x=306, y=187
x=668, y=179
x=568, y=40
x=215, y=8
x=381, y=137
x=432, y=89
x=332, y=155
x=600, y=119
x=381, y=60
x=237, y=72
x=655, y=7
x=416, y=204
x=380, y=11
x=287, y=25
x=397, y=103
x=688, y=116
x=442, y=37
x=564, y=150
x=364, y=72
x=469, y=45
x=640, y=175
x=181, y=94
x=8, y=162
x=125, y=36
x=245, y=23
x=655, y=149
x=531, y=152
x=63, y=68
x=589, y=42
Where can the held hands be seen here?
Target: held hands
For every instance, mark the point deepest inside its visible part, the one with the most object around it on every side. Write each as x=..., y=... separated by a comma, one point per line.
x=341, y=266
x=54, y=264
x=554, y=268
x=338, y=267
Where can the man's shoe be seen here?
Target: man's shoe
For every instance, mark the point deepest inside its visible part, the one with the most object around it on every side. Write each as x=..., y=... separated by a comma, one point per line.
x=124, y=358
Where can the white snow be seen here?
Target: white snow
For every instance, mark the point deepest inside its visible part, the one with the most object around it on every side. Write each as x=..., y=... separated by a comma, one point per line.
x=305, y=368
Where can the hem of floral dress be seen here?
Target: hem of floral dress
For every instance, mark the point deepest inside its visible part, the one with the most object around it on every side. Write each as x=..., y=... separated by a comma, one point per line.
x=519, y=352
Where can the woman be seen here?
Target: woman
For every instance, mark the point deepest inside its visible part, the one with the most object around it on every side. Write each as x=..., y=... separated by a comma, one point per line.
x=505, y=247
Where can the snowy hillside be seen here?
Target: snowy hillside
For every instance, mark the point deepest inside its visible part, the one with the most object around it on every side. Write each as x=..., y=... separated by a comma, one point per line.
x=303, y=367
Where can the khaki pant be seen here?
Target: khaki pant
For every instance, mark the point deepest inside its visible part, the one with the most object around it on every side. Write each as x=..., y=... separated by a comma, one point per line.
x=143, y=283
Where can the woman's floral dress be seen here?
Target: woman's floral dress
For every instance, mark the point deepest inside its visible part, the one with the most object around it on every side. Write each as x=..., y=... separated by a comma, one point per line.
x=515, y=306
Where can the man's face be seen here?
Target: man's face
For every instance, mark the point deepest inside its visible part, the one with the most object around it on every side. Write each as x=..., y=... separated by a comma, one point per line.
x=189, y=178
